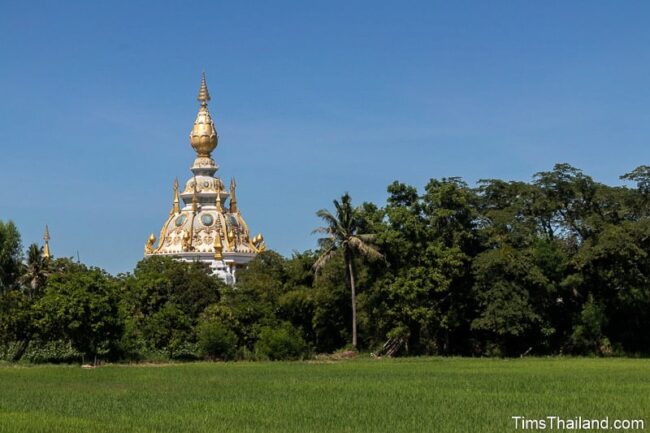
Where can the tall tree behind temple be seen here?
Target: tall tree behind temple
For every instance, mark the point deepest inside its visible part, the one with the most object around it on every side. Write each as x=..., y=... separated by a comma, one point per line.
x=10, y=256
x=428, y=241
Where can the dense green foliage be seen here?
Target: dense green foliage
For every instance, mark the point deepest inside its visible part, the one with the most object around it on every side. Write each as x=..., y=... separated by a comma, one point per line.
x=216, y=340
x=10, y=256
x=392, y=396
x=558, y=265
x=283, y=342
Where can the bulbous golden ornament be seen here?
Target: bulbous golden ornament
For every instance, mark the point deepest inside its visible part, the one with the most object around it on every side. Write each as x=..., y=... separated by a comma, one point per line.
x=203, y=137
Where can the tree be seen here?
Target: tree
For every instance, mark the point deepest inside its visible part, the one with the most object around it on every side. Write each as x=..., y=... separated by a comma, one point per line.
x=342, y=233
x=423, y=296
x=264, y=275
x=512, y=294
x=168, y=329
x=10, y=256
x=80, y=304
x=162, y=302
x=282, y=342
x=640, y=197
x=35, y=273
x=216, y=340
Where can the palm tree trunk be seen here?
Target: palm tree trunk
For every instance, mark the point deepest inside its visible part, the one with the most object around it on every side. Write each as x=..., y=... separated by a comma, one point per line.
x=348, y=259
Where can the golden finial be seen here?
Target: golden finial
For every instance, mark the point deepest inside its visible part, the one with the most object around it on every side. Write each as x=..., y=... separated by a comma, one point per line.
x=218, y=247
x=233, y=197
x=218, y=201
x=204, y=95
x=46, y=247
x=176, y=209
x=204, y=136
x=148, y=248
x=195, y=201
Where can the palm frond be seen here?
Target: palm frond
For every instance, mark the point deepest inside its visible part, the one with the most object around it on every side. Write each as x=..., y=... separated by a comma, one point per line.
x=367, y=237
x=323, y=259
x=325, y=230
x=327, y=216
x=326, y=243
x=366, y=249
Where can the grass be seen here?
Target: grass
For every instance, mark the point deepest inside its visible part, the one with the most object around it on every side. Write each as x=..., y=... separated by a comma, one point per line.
x=401, y=395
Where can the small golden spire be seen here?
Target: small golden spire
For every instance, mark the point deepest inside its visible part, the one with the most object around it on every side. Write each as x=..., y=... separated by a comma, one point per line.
x=46, y=247
x=176, y=209
x=218, y=200
x=204, y=95
x=233, y=197
x=218, y=247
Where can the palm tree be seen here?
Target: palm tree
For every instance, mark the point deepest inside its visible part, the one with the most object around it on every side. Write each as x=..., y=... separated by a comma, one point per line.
x=33, y=278
x=35, y=273
x=341, y=230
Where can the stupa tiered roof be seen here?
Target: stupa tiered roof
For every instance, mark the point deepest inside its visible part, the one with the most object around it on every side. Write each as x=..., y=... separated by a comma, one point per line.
x=208, y=225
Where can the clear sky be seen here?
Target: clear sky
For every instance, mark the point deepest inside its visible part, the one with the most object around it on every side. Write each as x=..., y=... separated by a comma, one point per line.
x=310, y=99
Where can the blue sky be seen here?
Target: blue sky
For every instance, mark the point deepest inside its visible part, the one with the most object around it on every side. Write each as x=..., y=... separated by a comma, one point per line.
x=311, y=99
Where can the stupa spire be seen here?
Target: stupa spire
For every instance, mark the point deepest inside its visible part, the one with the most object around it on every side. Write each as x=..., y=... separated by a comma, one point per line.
x=233, y=197
x=218, y=200
x=46, y=246
x=203, y=136
x=176, y=208
x=204, y=95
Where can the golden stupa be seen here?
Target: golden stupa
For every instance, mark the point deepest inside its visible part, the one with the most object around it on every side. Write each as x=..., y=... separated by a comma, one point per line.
x=209, y=226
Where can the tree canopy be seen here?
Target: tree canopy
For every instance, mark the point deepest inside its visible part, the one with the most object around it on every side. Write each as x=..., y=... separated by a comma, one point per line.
x=557, y=265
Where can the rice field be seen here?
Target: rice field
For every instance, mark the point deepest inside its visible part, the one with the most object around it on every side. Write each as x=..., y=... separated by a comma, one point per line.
x=363, y=395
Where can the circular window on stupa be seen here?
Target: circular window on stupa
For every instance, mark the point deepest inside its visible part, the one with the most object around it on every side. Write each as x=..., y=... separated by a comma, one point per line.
x=207, y=219
x=180, y=220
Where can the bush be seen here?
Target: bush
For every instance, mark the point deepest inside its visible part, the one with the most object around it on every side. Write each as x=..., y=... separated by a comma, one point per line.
x=216, y=341
x=588, y=337
x=58, y=351
x=281, y=343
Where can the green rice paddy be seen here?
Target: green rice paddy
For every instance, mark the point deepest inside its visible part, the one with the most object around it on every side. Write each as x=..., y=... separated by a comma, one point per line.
x=364, y=395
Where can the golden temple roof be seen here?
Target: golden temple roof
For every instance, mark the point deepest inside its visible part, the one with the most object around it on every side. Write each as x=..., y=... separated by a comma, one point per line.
x=203, y=225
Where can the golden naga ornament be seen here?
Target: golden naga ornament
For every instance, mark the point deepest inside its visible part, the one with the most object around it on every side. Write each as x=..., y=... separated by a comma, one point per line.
x=148, y=248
